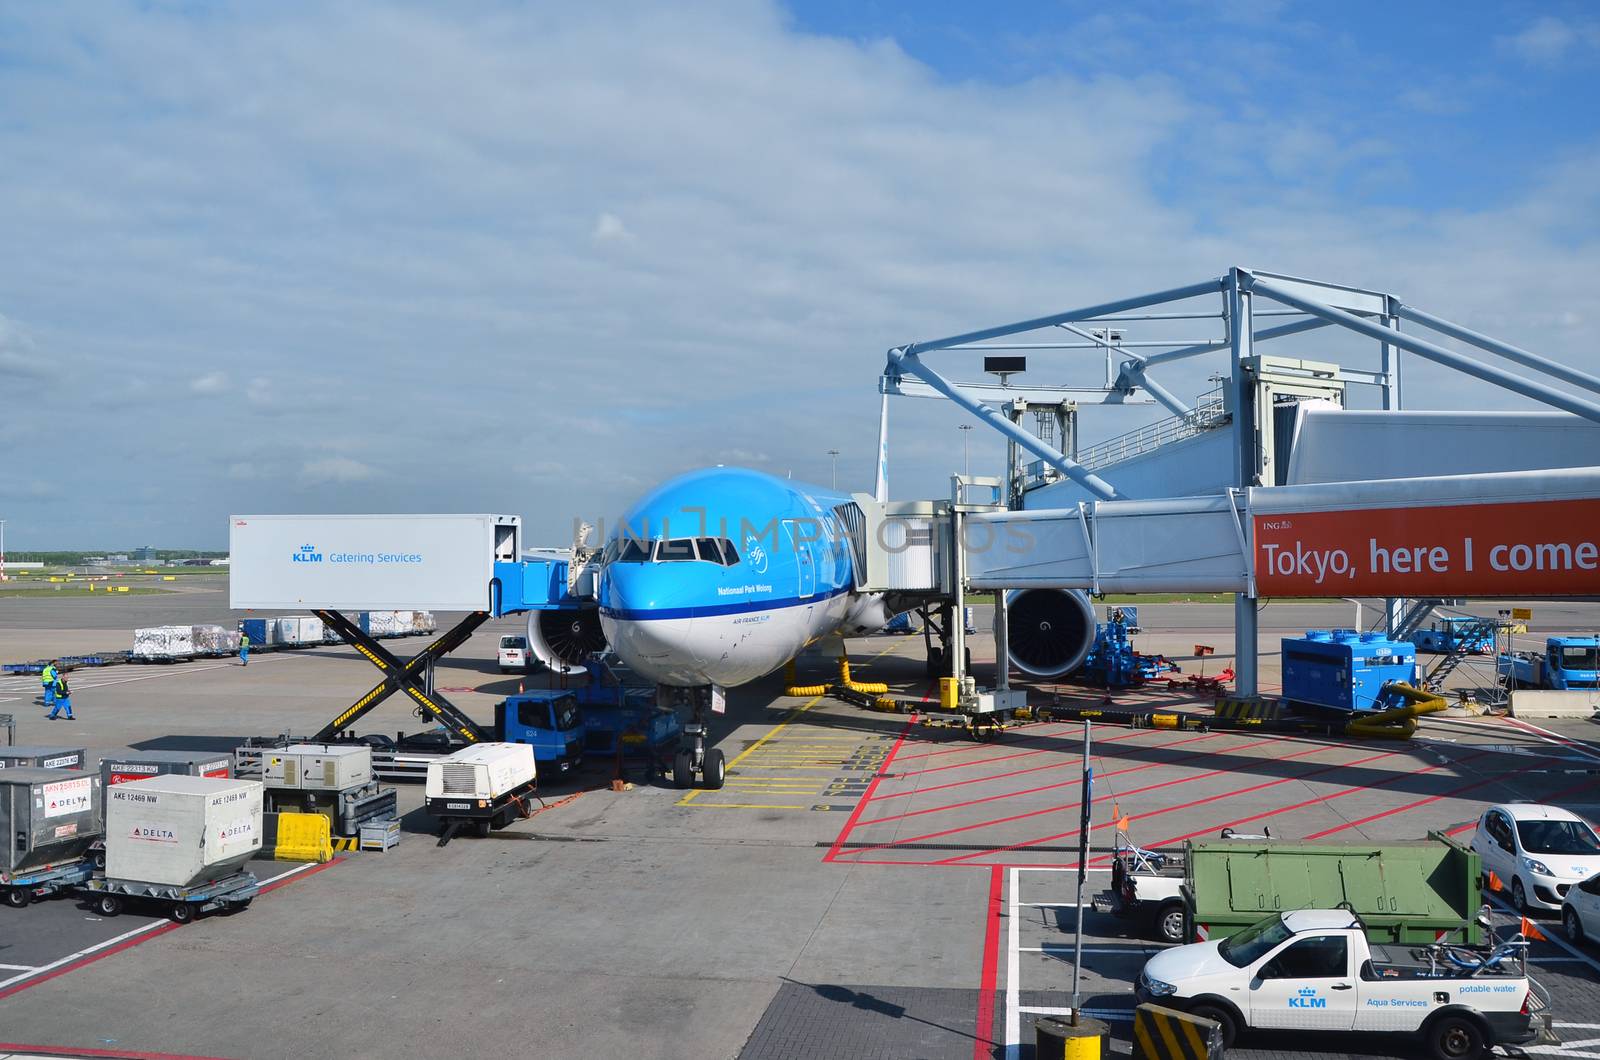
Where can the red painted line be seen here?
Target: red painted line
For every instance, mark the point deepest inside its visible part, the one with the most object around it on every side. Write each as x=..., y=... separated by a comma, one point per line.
x=1007, y=758
x=121, y=1054
x=1059, y=784
x=967, y=746
x=1075, y=805
x=866, y=796
x=100, y=955
x=1184, y=806
x=1301, y=805
x=1452, y=793
x=988, y=982
x=90, y=959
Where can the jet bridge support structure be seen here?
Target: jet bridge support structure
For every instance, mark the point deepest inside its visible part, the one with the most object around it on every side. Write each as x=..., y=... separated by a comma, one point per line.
x=1241, y=301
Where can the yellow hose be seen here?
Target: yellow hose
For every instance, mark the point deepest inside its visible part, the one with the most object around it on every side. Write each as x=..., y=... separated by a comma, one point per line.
x=799, y=691
x=873, y=688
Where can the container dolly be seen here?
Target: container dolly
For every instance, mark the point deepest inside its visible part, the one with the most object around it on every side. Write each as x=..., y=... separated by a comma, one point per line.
x=18, y=891
x=232, y=893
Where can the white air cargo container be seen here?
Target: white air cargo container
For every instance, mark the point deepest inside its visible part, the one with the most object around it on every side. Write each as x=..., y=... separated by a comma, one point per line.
x=368, y=562
x=47, y=816
x=214, y=640
x=163, y=642
x=317, y=767
x=181, y=831
x=299, y=629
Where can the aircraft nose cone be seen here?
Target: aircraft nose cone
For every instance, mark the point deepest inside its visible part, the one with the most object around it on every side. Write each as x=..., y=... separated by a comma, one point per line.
x=650, y=630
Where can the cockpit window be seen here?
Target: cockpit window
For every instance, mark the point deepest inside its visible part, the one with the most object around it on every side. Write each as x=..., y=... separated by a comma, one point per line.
x=675, y=550
x=632, y=550
x=710, y=549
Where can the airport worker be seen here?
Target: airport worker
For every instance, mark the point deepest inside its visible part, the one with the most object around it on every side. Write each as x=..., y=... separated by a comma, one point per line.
x=244, y=649
x=47, y=678
x=63, y=699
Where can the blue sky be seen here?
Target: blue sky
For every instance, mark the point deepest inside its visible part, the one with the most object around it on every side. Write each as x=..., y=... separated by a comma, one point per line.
x=536, y=257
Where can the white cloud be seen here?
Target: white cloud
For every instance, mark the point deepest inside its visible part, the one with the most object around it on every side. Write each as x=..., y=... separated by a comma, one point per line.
x=608, y=227
x=404, y=222
x=210, y=383
x=1548, y=39
x=19, y=356
x=336, y=469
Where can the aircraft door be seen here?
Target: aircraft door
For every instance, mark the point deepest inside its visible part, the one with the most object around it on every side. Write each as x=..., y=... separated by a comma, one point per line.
x=805, y=560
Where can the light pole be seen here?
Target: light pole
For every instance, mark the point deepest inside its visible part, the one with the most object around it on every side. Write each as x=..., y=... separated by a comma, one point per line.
x=966, y=457
x=834, y=453
x=2, y=550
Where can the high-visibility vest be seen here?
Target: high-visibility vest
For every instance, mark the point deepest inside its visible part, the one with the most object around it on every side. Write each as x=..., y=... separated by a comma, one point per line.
x=48, y=675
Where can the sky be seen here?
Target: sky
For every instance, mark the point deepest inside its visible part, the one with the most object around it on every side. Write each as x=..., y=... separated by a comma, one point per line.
x=534, y=258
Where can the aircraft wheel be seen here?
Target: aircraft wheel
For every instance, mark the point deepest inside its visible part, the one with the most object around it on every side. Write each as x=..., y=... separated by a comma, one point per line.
x=715, y=771
x=682, y=770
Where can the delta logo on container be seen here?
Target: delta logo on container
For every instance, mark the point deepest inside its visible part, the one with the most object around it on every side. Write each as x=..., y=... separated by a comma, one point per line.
x=152, y=835
x=306, y=554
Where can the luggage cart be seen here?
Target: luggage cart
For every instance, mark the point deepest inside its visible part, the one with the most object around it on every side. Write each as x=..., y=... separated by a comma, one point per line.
x=109, y=897
x=18, y=891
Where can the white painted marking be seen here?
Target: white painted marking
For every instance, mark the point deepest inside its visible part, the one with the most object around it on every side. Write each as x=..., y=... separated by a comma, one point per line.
x=18, y=967
x=1579, y=746
x=1013, y=961
x=1555, y=939
x=69, y=958
x=1143, y=951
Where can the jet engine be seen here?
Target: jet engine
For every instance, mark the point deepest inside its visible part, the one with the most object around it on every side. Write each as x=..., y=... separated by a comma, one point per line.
x=564, y=638
x=1050, y=631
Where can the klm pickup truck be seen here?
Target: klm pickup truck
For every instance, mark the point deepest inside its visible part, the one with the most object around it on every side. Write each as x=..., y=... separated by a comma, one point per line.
x=1316, y=970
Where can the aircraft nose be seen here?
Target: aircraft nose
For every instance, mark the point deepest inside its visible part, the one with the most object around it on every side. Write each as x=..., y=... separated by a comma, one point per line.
x=647, y=626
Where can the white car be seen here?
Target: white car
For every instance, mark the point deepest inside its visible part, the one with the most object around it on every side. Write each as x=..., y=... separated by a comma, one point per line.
x=513, y=654
x=1539, y=852
x=1580, y=914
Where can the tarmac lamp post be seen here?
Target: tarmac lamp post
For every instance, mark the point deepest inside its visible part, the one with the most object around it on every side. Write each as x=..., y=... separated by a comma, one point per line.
x=1083, y=869
x=834, y=453
x=966, y=459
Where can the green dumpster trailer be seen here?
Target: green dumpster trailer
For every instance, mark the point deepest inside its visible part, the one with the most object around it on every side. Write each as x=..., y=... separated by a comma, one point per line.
x=1418, y=891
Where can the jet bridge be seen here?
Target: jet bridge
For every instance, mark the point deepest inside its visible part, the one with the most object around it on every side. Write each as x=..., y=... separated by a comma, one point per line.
x=1220, y=497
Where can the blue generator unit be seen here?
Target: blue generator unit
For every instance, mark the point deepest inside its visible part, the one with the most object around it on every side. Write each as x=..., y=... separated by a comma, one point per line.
x=1343, y=669
x=259, y=630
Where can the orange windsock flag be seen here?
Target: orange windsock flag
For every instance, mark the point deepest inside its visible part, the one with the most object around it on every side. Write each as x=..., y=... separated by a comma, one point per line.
x=1531, y=931
x=1122, y=823
x=1495, y=884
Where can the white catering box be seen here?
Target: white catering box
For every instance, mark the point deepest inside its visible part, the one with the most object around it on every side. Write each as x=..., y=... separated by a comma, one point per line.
x=316, y=766
x=163, y=642
x=300, y=629
x=482, y=771
x=181, y=831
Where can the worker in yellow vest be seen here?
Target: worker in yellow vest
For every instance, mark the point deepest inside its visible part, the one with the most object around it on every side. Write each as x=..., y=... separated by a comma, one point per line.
x=47, y=678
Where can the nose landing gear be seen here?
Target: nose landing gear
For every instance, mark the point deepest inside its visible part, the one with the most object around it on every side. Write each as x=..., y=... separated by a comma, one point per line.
x=697, y=759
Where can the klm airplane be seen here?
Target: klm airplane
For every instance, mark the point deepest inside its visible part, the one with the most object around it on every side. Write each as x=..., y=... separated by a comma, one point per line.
x=719, y=577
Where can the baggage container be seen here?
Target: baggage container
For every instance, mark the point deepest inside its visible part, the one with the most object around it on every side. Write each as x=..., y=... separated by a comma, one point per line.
x=300, y=629
x=317, y=767
x=163, y=642
x=422, y=622
x=47, y=816
x=1417, y=891
x=179, y=831
x=386, y=623
x=139, y=765
x=261, y=631
x=1345, y=670
x=483, y=771
x=214, y=640
x=43, y=757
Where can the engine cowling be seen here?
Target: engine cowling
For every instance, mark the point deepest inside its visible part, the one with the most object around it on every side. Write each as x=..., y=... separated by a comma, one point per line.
x=563, y=639
x=1049, y=631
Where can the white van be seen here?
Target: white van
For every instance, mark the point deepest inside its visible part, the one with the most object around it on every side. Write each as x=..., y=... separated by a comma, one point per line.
x=513, y=654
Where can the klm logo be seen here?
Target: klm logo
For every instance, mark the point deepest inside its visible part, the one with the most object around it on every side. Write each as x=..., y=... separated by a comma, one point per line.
x=1308, y=998
x=307, y=554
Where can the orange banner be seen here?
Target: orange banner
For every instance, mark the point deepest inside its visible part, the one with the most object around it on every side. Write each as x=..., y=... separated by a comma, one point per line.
x=1539, y=548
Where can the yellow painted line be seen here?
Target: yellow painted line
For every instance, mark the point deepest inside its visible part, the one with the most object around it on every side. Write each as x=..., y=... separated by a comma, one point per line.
x=747, y=806
x=742, y=755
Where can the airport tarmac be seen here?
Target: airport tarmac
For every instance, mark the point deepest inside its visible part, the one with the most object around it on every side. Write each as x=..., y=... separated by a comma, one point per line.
x=862, y=886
